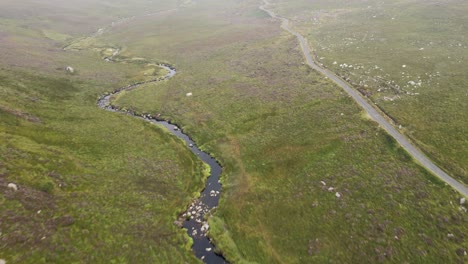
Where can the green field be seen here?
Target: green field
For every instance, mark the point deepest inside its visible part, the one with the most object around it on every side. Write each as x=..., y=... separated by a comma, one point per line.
x=101, y=187
x=408, y=56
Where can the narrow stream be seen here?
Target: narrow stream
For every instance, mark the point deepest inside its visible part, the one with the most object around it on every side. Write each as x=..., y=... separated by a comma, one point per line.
x=193, y=217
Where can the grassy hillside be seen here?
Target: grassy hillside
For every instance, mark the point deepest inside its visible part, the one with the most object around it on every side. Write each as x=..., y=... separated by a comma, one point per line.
x=307, y=177
x=93, y=186
x=279, y=129
x=408, y=56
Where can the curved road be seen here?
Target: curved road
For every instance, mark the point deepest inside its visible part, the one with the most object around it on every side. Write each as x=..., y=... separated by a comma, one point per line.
x=376, y=116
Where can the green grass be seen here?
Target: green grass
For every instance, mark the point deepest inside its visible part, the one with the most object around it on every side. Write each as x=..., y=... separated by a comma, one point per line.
x=410, y=57
x=120, y=180
x=277, y=127
x=94, y=186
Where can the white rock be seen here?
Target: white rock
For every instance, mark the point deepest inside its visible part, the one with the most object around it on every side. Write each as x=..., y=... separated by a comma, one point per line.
x=2, y=261
x=331, y=189
x=338, y=195
x=450, y=235
x=189, y=94
x=70, y=69
x=462, y=200
x=13, y=186
x=208, y=249
x=323, y=183
x=404, y=66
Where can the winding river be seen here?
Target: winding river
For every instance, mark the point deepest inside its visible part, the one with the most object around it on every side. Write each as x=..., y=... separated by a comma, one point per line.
x=193, y=218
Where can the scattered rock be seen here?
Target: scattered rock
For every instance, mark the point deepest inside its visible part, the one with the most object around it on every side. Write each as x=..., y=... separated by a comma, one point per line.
x=450, y=235
x=70, y=69
x=189, y=94
x=461, y=252
x=13, y=186
x=462, y=200
x=205, y=227
x=323, y=183
x=331, y=189
x=338, y=195
x=404, y=66
x=208, y=249
x=178, y=223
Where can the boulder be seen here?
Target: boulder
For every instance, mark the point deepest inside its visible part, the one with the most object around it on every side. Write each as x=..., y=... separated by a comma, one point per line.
x=70, y=69
x=13, y=186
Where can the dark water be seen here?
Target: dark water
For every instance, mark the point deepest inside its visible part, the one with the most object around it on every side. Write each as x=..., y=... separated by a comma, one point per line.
x=209, y=198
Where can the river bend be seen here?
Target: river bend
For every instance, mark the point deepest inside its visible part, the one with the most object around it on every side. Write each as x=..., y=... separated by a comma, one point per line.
x=193, y=218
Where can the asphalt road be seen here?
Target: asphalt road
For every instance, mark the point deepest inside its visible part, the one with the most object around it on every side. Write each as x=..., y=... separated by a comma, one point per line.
x=376, y=116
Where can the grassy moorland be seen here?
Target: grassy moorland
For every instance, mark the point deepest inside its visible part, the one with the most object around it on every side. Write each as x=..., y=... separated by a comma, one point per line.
x=279, y=130
x=109, y=186
x=94, y=186
x=408, y=56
